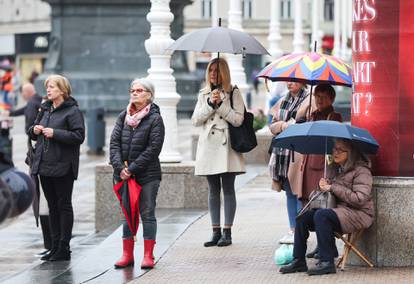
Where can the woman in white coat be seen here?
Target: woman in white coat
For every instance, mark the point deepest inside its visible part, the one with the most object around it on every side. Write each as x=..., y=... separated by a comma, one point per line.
x=215, y=158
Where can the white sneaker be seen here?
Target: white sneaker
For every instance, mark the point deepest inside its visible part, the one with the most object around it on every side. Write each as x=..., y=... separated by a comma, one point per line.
x=288, y=239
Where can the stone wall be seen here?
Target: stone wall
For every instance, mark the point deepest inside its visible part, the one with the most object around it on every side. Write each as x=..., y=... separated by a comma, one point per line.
x=179, y=189
x=389, y=242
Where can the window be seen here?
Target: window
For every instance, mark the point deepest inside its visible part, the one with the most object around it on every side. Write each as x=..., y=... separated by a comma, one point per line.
x=285, y=9
x=328, y=10
x=247, y=9
x=206, y=7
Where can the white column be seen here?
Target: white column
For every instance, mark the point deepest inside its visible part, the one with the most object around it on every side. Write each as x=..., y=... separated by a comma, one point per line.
x=238, y=76
x=337, y=11
x=349, y=25
x=274, y=37
x=315, y=27
x=214, y=13
x=298, y=41
x=344, y=31
x=160, y=74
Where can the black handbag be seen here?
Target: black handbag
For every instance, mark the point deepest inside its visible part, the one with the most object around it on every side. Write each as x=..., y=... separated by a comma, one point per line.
x=242, y=138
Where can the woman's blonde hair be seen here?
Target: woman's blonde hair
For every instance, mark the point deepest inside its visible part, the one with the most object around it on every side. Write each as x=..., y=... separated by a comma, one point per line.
x=62, y=83
x=224, y=73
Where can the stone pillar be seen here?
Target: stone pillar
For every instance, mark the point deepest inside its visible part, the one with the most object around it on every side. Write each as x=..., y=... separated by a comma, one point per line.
x=238, y=75
x=160, y=74
x=97, y=45
x=344, y=29
x=337, y=19
x=298, y=41
x=389, y=240
x=315, y=27
x=274, y=37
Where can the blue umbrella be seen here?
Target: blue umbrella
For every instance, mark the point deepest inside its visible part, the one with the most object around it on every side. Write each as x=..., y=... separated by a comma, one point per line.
x=318, y=137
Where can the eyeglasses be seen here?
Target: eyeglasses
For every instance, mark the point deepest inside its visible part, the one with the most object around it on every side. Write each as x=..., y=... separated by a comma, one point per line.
x=139, y=91
x=339, y=150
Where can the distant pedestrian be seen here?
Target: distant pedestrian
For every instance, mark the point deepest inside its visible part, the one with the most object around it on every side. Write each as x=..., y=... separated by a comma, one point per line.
x=135, y=146
x=350, y=181
x=215, y=157
x=287, y=111
x=30, y=111
x=59, y=132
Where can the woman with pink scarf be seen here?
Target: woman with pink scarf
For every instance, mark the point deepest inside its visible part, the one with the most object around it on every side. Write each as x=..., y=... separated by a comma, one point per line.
x=136, y=143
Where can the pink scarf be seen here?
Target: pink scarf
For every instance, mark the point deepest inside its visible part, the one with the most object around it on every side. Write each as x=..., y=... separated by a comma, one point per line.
x=134, y=117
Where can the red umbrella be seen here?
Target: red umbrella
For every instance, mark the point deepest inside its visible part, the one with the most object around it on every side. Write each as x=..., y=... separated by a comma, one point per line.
x=128, y=192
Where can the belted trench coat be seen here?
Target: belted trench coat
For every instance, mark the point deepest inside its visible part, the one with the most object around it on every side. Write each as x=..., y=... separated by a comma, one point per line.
x=214, y=152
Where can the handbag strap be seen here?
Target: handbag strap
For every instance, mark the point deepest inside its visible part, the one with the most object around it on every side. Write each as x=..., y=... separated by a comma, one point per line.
x=231, y=98
x=231, y=95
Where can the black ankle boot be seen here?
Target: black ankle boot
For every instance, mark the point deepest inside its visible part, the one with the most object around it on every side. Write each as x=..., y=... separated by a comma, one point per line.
x=48, y=255
x=297, y=265
x=214, y=238
x=314, y=253
x=225, y=238
x=63, y=252
x=323, y=267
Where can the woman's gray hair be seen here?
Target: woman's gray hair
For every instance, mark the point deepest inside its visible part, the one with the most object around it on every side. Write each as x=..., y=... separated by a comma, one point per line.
x=354, y=156
x=147, y=84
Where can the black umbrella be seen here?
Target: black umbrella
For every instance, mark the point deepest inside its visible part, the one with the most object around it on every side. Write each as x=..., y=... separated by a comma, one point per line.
x=218, y=39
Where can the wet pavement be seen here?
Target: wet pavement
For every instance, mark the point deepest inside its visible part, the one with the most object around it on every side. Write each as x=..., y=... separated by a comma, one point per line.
x=93, y=258
x=93, y=253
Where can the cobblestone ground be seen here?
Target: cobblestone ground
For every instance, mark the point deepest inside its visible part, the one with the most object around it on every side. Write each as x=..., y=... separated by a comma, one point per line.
x=260, y=221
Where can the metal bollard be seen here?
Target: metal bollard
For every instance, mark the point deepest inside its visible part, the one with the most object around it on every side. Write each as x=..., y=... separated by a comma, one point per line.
x=96, y=131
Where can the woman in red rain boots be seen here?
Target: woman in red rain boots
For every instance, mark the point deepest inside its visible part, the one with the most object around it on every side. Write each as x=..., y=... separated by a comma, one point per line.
x=136, y=141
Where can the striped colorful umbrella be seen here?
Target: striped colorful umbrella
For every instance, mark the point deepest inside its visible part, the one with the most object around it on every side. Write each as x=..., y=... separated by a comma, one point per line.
x=309, y=68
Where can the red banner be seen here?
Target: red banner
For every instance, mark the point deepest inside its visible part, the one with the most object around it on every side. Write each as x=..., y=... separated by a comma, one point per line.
x=383, y=95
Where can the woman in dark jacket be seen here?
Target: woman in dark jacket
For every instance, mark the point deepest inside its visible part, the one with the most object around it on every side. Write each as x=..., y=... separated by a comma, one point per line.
x=59, y=131
x=136, y=143
x=350, y=181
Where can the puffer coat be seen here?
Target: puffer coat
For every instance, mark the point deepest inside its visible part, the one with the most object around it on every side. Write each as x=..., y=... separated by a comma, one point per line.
x=353, y=192
x=139, y=147
x=56, y=156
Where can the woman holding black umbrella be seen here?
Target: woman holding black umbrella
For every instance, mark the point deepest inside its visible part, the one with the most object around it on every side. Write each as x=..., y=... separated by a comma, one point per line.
x=215, y=157
x=59, y=131
x=350, y=181
x=136, y=143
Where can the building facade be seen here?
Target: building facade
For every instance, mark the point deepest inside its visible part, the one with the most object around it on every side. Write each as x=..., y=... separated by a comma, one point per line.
x=24, y=34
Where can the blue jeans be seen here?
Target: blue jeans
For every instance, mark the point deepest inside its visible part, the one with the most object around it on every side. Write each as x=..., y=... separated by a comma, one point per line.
x=147, y=202
x=292, y=202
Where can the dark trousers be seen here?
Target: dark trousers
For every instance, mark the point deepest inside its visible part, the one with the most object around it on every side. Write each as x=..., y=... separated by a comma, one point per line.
x=58, y=193
x=215, y=183
x=325, y=223
x=47, y=237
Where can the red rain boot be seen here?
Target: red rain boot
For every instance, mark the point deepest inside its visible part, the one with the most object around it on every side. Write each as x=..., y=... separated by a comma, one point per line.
x=127, y=258
x=148, y=261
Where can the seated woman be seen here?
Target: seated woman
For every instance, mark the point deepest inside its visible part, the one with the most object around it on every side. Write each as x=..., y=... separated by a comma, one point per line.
x=350, y=180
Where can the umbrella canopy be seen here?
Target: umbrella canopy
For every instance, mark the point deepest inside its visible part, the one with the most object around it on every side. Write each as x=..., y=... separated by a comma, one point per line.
x=309, y=68
x=127, y=192
x=318, y=137
x=218, y=39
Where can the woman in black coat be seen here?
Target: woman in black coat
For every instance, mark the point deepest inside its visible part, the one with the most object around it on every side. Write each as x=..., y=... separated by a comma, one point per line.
x=59, y=131
x=136, y=143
